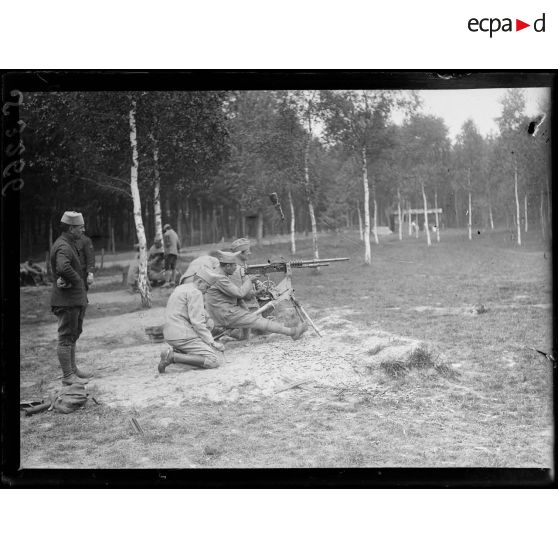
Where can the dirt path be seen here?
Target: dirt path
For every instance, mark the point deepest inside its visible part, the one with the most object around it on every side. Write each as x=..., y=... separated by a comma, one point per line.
x=125, y=362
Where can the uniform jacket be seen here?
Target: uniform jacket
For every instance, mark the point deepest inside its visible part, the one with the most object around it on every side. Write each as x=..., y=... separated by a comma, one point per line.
x=65, y=263
x=222, y=298
x=185, y=316
x=86, y=255
x=171, y=242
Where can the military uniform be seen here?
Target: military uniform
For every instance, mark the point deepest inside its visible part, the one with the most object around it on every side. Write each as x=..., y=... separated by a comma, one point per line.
x=68, y=298
x=86, y=255
x=187, y=329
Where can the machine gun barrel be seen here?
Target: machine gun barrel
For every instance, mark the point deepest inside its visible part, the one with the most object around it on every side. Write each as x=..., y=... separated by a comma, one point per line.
x=270, y=267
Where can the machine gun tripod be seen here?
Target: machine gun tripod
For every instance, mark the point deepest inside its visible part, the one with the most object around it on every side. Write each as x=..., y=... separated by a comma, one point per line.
x=274, y=294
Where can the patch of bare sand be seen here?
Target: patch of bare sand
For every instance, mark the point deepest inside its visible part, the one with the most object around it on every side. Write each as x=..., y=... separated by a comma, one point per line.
x=125, y=362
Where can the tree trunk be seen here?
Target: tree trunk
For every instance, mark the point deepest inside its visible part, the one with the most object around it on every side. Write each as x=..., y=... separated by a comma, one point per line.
x=190, y=218
x=143, y=285
x=259, y=228
x=157, y=190
x=293, y=236
x=399, y=215
x=470, y=221
x=410, y=231
x=360, y=229
x=426, y=227
x=490, y=214
x=367, y=253
x=180, y=225
x=375, y=205
x=457, y=221
x=213, y=225
x=309, y=197
x=50, y=234
x=526, y=219
x=518, y=214
x=437, y=218
x=201, y=221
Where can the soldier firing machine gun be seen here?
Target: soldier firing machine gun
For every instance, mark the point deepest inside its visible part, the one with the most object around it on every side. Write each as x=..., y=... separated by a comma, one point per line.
x=270, y=294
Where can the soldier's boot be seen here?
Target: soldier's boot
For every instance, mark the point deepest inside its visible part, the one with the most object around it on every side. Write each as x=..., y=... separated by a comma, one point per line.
x=299, y=331
x=166, y=359
x=75, y=369
x=194, y=361
x=294, y=332
x=65, y=359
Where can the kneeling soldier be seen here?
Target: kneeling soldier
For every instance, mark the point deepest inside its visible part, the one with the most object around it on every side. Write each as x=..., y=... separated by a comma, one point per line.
x=187, y=329
x=224, y=296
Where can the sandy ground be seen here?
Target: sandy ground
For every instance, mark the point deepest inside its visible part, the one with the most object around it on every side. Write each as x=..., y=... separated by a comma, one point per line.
x=125, y=362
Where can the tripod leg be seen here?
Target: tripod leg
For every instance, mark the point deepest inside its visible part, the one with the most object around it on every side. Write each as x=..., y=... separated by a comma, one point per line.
x=304, y=315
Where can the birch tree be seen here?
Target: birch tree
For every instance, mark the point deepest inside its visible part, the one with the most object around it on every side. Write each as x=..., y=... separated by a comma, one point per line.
x=471, y=152
x=358, y=119
x=512, y=134
x=143, y=284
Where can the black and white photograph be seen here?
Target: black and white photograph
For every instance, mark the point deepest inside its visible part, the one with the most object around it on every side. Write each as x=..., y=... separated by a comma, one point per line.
x=259, y=273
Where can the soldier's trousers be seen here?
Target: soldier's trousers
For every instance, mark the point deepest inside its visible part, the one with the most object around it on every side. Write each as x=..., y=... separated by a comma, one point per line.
x=70, y=323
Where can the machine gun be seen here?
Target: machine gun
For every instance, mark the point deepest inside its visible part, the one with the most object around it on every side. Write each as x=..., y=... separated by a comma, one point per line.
x=269, y=294
x=285, y=267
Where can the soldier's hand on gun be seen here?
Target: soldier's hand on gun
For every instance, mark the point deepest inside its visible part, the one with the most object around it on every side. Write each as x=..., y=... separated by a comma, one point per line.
x=218, y=346
x=90, y=278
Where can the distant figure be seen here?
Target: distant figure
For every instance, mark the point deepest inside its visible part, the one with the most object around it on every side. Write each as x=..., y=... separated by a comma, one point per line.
x=31, y=274
x=434, y=228
x=86, y=255
x=172, y=249
x=156, y=250
x=414, y=226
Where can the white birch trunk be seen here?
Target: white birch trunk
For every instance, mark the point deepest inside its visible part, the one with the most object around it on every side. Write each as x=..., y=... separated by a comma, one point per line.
x=490, y=214
x=143, y=285
x=293, y=230
x=360, y=229
x=157, y=191
x=518, y=214
x=409, y=219
x=375, y=206
x=470, y=221
x=399, y=214
x=426, y=227
x=526, y=219
x=308, y=196
x=437, y=218
x=367, y=252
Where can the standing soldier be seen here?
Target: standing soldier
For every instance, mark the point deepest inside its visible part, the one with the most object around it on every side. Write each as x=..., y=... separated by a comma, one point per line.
x=69, y=298
x=172, y=248
x=86, y=255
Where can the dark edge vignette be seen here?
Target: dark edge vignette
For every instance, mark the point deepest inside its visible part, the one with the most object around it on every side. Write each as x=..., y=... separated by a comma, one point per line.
x=12, y=476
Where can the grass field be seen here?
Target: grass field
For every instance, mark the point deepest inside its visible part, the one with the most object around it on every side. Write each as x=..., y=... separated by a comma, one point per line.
x=482, y=397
